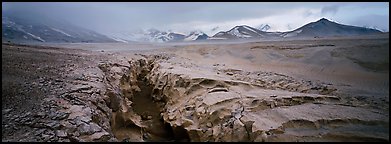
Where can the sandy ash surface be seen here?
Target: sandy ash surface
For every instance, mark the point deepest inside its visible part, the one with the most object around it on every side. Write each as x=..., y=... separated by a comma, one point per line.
x=293, y=90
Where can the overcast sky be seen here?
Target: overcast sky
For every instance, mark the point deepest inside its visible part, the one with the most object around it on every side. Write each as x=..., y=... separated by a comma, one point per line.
x=105, y=17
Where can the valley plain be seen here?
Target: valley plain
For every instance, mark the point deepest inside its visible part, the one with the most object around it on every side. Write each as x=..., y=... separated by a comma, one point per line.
x=318, y=89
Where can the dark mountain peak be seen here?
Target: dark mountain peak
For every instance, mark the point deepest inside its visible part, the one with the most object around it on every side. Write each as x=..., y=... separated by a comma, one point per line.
x=326, y=28
x=323, y=19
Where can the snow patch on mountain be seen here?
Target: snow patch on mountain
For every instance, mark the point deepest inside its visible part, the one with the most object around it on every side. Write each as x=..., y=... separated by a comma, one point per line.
x=250, y=29
x=236, y=33
x=36, y=37
x=154, y=35
x=119, y=40
x=219, y=34
x=292, y=34
x=60, y=31
x=196, y=35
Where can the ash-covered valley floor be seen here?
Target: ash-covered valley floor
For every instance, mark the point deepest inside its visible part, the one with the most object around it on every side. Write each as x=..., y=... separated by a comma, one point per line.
x=298, y=90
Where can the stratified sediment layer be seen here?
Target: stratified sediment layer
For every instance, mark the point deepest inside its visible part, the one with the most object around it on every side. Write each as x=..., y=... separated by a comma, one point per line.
x=154, y=101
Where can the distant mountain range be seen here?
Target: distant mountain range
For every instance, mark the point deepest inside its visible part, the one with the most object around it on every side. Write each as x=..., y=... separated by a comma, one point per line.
x=320, y=28
x=244, y=32
x=154, y=35
x=22, y=30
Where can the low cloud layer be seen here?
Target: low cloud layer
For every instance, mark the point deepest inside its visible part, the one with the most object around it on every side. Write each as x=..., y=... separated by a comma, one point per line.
x=107, y=17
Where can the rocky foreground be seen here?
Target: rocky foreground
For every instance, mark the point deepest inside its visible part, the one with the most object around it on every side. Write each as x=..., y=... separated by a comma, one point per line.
x=54, y=94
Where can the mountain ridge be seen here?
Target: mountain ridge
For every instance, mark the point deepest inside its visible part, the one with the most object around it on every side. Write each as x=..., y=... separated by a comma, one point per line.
x=321, y=28
x=326, y=28
x=15, y=29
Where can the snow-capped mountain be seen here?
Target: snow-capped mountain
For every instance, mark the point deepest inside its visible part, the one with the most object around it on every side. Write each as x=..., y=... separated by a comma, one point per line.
x=154, y=35
x=320, y=28
x=196, y=35
x=149, y=35
x=326, y=28
x=16, y=29
x=176, y=36
x=242, y=31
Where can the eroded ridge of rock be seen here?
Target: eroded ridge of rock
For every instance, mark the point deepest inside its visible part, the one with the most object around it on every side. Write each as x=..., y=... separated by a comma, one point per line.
x=153, y=101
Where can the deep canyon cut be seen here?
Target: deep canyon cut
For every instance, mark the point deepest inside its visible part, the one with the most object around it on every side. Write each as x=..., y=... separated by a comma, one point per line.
x=152, y=101
x=137, y=106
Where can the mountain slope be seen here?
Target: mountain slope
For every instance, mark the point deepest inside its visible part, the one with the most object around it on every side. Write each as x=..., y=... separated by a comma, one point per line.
x=17, y=29
x=245, y=32
x=154, y=35
x=326, y=28
x=196, y=35
x=149, y=35
x=242, y=31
